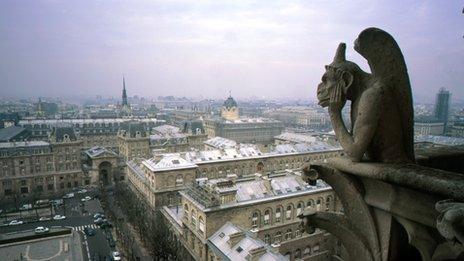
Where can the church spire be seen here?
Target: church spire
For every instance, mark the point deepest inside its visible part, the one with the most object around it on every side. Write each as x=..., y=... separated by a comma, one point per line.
x=124, y=94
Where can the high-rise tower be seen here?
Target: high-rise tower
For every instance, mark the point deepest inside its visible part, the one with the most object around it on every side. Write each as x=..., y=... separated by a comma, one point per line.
x=124, y=94
x=442, y=105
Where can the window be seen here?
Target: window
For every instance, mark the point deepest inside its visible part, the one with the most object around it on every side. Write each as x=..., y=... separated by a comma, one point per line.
x=288, y=234
x=23, y=182
x=297, y=233
x=24, y=190
x=278, y=214
x=316, y=248
x=278, y=237
x=186, y=212
x=254, y=220
x=239, y=249
x=179, y=180
x=201, y=222
x=288, y=213
x=50, y=186
x=194, y=218
x=297, y=253
x=299, y=208
x=307, y=251
x=267, y=217
x=267, y=239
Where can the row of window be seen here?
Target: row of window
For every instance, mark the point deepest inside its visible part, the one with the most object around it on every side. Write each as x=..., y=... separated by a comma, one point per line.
x=277, y=239
x=271, y=216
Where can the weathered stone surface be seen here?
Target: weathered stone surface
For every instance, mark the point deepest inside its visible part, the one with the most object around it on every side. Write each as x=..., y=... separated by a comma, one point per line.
x=381, y=102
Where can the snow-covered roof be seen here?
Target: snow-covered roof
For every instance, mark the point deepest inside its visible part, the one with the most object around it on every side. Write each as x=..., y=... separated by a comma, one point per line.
x=441, y=140
x=219, y=243
x=167, y=162
x=221, y=143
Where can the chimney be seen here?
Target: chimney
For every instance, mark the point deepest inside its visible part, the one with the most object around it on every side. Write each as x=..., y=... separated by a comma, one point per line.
x=235, y=238
x=256, y=253
x=267, y=183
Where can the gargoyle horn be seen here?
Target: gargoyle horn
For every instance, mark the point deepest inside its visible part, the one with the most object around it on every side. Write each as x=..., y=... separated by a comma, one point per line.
x=340, y=54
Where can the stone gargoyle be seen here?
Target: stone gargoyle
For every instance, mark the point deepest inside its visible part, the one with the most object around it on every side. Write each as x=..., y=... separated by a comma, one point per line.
x=381, y=101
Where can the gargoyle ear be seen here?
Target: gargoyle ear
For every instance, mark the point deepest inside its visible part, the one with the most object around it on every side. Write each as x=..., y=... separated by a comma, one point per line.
x=347, y=79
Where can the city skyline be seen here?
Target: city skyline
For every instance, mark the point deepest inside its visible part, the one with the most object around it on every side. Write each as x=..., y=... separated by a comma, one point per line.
x=271, y=50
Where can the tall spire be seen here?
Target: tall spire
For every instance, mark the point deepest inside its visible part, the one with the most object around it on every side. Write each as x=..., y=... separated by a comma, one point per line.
x=124, y=94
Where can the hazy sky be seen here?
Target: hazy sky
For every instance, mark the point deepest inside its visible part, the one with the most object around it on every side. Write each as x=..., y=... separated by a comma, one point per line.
x=192, y=48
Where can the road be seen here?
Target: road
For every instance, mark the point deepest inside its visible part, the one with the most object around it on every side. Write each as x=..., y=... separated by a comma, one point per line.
x=78, y=216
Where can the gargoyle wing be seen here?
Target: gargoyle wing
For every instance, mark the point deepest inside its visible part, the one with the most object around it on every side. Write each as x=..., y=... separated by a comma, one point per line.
x=387, y=63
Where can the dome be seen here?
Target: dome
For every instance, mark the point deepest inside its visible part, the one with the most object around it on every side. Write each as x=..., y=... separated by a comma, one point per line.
x=230, y=103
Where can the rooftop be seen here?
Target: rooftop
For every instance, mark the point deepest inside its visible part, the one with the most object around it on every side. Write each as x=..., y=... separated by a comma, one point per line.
x=97, y=151
x=220, y=143
x=19, y=144
x=241, y=249
x=440, y=140
x=168, y=161
x=10, y=132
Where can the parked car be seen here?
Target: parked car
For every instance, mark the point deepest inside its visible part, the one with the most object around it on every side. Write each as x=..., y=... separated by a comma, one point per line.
x=41, y=230
x=116, y=255
x=106, y=223
x=25, y=207
x=69, y=195
x=42, y=203
x=98, y=215
x=44, y=218
x=99, y=221
x=82, y=191
x=16, y=222
x=57, y=202
x=58, y=217
x=89, y=231
x=86, y=199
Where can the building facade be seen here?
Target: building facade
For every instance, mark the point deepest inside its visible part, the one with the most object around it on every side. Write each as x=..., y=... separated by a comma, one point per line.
x=39, y=167
x=266, y=206
x=242, y=129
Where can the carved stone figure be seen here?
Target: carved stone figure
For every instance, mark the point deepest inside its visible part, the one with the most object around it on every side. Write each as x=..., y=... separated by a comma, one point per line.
x=381, y=101
x=450, y=222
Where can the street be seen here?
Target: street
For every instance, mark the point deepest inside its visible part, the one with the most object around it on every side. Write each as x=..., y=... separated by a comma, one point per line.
x=79, y=215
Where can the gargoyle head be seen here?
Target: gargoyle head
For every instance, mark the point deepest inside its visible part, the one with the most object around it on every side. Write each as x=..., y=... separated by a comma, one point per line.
x=340, y=74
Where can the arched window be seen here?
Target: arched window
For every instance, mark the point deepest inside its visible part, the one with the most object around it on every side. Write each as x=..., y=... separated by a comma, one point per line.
x=179, y=180
x=201, y=223
x=254, y=219
x=288, y=212
x=310, y=203
x=267, y=239
x=278, y=237
x=288, y=234
x=267, y=217
x=299, y=208
x=194, y=218
x=297, y=253
x=186, y=212
x=297, y=233
x=278, y=214
x=316, y=248
x=307, y=251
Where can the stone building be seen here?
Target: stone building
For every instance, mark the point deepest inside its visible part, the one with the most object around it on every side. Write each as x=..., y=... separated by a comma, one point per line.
x=265, y=206
x=93, y=132
x=168, y=138
x=160, y=177
x=133, y=141
x=242, y=129
x=41, y=167
x=103, y=166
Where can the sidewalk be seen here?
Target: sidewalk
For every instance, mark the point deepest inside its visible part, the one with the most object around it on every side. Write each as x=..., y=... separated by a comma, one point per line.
x=139, y=250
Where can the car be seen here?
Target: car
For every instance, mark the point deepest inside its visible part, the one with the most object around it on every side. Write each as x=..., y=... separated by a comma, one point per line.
x=82, y=191
x=98, y=215
x=57, y=202
x=58, y=217
x=86, y=199
x=116, y=255
x=98, y=221
x=111, y=242
x=41, y=230
x=69, y=195
x=89, y=231
x=25, y=207
x=16, y=222
x=44, y=218
x=106, y=223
